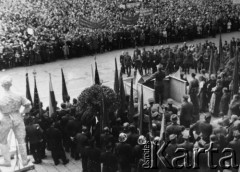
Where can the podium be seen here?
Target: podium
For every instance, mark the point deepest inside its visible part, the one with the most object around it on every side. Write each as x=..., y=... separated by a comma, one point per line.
x=15, y=166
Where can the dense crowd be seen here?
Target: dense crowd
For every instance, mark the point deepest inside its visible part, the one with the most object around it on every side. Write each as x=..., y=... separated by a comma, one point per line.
x=120, y=145
x=35, y=31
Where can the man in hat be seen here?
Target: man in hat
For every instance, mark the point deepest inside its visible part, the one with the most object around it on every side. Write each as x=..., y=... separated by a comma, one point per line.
x=235, y=144
x=202, y=128
x=106, y=138
x=133, y=135
x=186, y=112
x=123, y=153
x=174, y=128
x=170, y=150
x=170, y=107
x=158, y=84
x=128, y=64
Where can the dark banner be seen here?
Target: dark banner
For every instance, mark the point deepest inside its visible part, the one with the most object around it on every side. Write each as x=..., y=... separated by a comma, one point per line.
x=93, y=25
x=126, y=20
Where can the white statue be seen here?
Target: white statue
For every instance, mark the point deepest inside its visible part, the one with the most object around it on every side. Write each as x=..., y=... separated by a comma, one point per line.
x=12, y=118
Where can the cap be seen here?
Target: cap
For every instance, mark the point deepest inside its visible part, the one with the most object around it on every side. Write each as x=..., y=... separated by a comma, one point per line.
x=142, y=140
x=213, y=138
x=172, y=136
x=122, y=137
x=233, y=118
x=208, y=116
x=150, y=100
x=236, y=133
x=174, y=117
x=155, y=114
x=185, y=134
x=105, y=129
x=170, y=101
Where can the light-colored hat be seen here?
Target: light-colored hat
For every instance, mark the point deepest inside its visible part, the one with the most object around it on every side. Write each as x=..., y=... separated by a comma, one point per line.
x=170, y=101
x=142, y=140
x=172, y=136
x=155, y=114
x=122, y=137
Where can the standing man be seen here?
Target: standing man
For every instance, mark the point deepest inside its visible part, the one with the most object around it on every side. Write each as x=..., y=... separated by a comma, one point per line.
x=128, y=63
x=186, y=112
x=193, y=92
x=122, y=62
x=158, y=84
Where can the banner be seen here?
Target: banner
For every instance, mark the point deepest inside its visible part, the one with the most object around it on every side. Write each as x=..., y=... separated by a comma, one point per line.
x=133, y=4
x=145, y=12
x=236, y=2
x=93, y=25
x=126, y=20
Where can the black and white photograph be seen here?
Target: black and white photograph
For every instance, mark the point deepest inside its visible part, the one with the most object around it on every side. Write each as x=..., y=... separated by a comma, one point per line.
x=119, y=85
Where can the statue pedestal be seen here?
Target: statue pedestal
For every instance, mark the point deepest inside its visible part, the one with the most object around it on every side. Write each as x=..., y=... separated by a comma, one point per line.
x=16, y=168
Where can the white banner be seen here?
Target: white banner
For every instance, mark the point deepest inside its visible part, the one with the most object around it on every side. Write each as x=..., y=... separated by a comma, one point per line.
x=236, y=1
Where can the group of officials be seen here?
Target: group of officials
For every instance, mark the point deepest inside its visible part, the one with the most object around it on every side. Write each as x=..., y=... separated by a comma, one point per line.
x=120, y=145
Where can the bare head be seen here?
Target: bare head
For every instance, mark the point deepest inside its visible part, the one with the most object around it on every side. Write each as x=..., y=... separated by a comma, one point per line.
x=6, y=82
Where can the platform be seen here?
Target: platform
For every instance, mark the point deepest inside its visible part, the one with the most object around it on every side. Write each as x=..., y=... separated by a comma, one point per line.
x=16, y=168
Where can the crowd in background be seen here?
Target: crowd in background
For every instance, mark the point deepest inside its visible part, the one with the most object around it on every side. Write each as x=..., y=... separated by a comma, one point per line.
x=35, y=31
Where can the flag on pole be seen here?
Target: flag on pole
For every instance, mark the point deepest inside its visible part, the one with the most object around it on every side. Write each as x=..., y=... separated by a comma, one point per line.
x=92, y=75
x=28, y=93
x=162, y=131
x=97, y=79
x=52, y=100
x=116, y=79
x=131, y=104
x=221, y=51
x=141, y=115
x=235, y=74
x=36, y=103
x=212, y=69
x=138, y=79
x=104, y=113
x=122, y=96
x=64, y=88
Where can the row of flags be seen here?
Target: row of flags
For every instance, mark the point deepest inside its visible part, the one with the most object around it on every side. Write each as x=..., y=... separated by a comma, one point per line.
x=52, y=101
x=104, y=118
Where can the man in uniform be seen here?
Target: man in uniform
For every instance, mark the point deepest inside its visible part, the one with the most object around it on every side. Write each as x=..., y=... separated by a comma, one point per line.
x=128, y=63
x=123, y=152
x=106, y=138
x=174, y=128
x=202, y=128
x=122, y=62
x=158, y=84
x=186, y=112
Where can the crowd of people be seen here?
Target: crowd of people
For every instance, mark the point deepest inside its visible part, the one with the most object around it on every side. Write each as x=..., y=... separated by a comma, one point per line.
x=35, y=31
x=120, y=145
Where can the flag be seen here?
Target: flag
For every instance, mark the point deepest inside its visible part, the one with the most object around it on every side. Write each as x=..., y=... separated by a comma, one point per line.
x=97, y=79
x=235, y=74
x=162, y=131
x=141, y=115
x=36, y=103
x=131, y=104
x=122, y=96
x=104, y=113
x=28, y=93
x=177, y=74
x=92, y=75
x=52, y=100
x=64, y=88
x=212, y=69
x=138, y=79
x=116, y=79
x=221, y=51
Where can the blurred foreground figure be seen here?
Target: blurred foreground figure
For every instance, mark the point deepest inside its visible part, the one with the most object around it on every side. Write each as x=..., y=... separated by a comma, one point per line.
x=12, y=118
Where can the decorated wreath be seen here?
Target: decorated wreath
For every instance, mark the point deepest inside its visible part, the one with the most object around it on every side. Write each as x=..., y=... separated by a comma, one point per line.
x=91, y=100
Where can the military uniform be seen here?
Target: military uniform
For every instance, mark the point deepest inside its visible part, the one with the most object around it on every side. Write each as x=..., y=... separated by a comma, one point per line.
x=186, y=113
